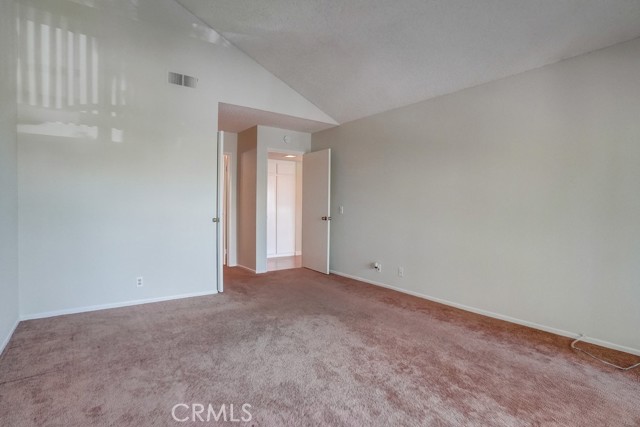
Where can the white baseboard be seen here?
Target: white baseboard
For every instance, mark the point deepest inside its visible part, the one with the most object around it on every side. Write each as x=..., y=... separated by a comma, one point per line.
x=246, y=268
x=510, y=319
x=6, y=339
x=112, y=305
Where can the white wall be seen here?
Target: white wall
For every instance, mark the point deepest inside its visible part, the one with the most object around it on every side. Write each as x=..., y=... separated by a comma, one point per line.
x=518, y=197
x=9, y=294
x=121, y=183
x=247, y=165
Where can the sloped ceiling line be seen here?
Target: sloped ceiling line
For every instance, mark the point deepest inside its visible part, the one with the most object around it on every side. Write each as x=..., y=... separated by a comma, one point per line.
x=355, y=58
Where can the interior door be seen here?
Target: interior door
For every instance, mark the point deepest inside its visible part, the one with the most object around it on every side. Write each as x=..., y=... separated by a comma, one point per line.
x=316, y=210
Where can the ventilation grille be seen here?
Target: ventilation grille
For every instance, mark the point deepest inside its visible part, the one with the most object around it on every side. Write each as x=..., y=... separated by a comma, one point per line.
x=189, y=81
x=182, y=80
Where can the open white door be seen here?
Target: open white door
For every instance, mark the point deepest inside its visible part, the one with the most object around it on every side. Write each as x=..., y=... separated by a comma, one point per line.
x=316, y=213
x=219, y=212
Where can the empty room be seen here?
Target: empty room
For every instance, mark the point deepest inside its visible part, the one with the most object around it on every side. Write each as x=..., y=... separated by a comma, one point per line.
x=319, y=213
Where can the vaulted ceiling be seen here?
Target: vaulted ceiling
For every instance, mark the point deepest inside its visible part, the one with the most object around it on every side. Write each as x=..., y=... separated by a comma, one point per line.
x=355, y=58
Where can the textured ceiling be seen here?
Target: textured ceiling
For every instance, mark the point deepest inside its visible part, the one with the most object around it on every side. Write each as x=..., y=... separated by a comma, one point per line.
x=354, y=58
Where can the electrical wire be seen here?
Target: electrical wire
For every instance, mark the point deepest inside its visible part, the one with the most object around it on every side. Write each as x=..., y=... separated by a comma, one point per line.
x=573, y=346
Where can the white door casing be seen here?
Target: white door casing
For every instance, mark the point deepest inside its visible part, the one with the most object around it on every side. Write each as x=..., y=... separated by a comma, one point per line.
x=219, y=212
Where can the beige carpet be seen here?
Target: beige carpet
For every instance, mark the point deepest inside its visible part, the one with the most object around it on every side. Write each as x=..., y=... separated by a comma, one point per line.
x=304, y=349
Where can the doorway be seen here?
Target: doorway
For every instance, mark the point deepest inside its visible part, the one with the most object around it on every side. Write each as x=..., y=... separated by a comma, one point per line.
x=246, y=177
x=284, y=211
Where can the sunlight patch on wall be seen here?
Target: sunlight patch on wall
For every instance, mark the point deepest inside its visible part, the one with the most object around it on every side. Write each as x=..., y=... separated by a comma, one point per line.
x=59, y=73
x=59, y=129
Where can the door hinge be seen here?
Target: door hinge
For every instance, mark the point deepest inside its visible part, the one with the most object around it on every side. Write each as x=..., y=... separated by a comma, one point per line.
x=215, y=219
x=326, y=218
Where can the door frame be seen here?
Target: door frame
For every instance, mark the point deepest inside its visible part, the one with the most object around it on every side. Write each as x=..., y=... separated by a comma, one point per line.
x=226, y=197
x=219, y=212
x=285, y=151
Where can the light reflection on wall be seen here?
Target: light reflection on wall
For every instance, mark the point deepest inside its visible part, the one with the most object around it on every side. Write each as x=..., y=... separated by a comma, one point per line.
x=19, y=81
x=31, y=62
x=61, y=130
x=137, y=10
x=61, y=81
x=58, y=68
x=70, y=68
x=45, y=66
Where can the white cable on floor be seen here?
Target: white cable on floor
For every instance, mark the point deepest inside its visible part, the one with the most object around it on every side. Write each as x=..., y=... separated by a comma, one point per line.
x=573, y=346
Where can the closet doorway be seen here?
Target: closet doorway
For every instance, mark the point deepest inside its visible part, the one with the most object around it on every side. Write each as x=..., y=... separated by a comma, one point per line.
x=284, y=211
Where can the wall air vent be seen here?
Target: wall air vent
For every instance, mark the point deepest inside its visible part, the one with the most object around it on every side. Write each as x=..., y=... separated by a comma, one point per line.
x=175, y=78
x=189, y=81
x=182, y=80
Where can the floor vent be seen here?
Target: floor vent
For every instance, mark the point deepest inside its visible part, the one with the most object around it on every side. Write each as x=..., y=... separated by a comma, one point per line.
x=182, y=80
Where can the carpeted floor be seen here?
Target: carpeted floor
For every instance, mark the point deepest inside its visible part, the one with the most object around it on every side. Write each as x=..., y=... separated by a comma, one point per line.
x=304, y=349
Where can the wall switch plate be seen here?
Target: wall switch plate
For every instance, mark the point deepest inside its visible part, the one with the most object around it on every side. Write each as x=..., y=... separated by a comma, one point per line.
x=400, y=271
x=341, y=210
x=139, y=282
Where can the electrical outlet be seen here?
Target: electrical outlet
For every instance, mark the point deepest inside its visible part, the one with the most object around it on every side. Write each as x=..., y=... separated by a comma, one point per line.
x=400, y=271
x=140, y=282
x=377, y=266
